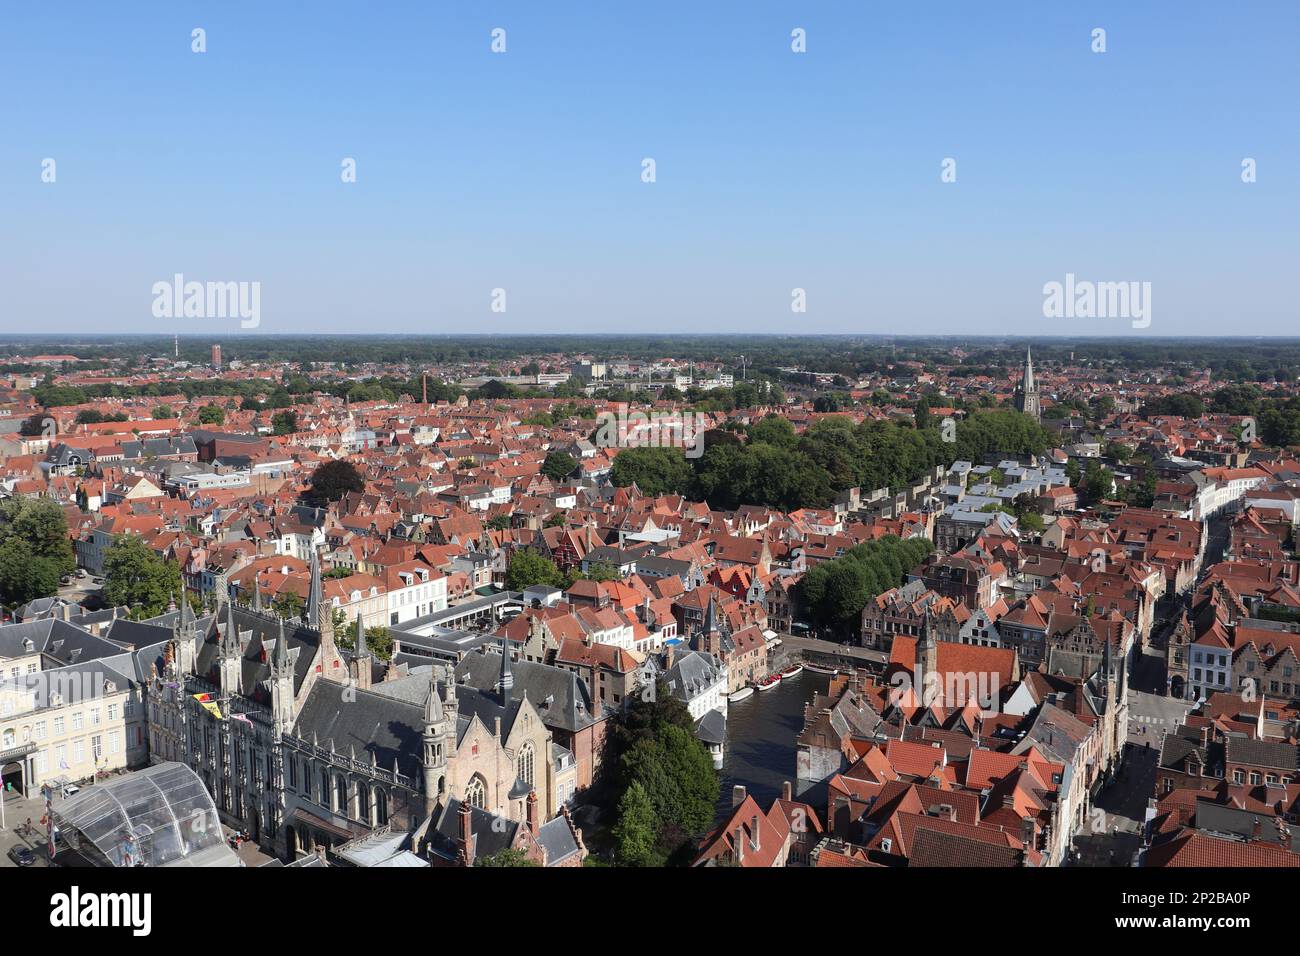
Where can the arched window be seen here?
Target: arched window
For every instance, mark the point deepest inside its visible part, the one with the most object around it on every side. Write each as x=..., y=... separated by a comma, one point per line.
x=476, y=792
x=524, y=763
x=381, y=807
x=363, y=802
x=324, y=787
x=341, y=794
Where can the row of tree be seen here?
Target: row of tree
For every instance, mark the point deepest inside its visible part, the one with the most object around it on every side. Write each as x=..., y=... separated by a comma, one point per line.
x=774, y=466
x=835, y=592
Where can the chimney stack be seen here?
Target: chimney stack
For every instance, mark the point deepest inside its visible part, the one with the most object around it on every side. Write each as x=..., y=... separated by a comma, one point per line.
x=738, y=842
x=755, y=845
x=466, y=835
x=787, y=791
x=737, y=796
x=532, y=811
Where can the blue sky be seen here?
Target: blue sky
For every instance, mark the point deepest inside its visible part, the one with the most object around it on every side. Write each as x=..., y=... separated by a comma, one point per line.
x=775, y=170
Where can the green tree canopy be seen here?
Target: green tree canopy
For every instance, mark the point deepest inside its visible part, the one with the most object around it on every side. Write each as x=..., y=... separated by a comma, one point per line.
x=334, y=479
x=138, y=578
x=558, y=465
x=529, y=567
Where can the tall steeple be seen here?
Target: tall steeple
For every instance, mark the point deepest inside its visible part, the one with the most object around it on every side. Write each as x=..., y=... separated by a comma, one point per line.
x=1027, y=397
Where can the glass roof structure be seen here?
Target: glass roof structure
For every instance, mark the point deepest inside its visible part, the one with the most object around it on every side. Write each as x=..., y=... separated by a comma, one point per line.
x=159, y=816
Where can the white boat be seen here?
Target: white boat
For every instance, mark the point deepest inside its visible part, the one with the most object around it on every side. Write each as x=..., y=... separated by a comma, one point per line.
x=816, y=669
x=740, y=694
x=792, y=672
x=772, y=681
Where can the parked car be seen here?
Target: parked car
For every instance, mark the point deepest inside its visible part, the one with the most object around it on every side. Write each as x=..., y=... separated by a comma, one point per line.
x=71, y=789
x=22, y=856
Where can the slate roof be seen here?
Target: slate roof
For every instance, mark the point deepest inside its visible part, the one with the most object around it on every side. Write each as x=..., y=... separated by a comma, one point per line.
x=369, y=723
x=560, y=696
x=66, y=643
x=556, y=838
x=491, y=833
x=1261, y=753
x=304, y=642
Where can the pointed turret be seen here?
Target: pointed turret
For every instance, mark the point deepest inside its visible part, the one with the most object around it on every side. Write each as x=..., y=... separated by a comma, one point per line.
x=281, y=660
x=230, y=638
x=315, y=591
x=433, y=760
x=363, y=651
x=321, y=617
x=187, y=617
x=432, y=706
x=506, y=682
x=231, y=654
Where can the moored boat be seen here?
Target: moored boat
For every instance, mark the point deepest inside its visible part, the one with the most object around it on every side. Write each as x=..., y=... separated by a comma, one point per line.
x=818, y=669
x=769, y=682
x=741, y=694
x=792, y=671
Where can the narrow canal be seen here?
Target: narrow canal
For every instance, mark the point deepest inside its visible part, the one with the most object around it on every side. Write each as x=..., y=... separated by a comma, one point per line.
x=761, y=732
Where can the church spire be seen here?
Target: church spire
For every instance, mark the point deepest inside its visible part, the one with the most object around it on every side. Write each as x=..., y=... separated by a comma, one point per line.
x=710, y=616
x=1027, y=397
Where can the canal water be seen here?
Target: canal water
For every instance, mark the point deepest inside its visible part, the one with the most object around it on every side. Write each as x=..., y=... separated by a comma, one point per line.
x=761, y=733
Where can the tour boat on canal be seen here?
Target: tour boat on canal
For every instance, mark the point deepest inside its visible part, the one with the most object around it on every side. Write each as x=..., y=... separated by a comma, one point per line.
x=816, y=669
x=792, y=672
x=771, y=681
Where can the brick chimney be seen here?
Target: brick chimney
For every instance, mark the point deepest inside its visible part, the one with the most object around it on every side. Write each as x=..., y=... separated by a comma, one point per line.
x=466, y=835
x=738, y=844
x=755, y=844
x=738, y=794
x=787, y=791
x=532, y=811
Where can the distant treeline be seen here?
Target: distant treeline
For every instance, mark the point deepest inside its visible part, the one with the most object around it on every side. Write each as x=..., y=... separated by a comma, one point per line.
x=1230, y=360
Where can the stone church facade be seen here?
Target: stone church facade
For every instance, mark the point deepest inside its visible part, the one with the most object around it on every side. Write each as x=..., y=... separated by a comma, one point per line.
x=306, y=748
